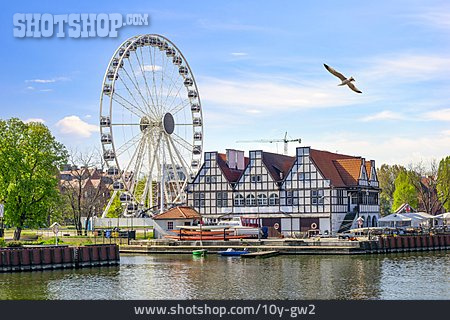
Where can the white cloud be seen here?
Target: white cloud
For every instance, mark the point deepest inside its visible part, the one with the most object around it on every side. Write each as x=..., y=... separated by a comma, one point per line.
x=30, y=88
x=393, y=150
x=88, y=116
x=266, y=95
x=239, y=54
x=408, y=67
x=52, y=80
x=73, y=125
x=231, y=26
x=383, y=115
x=46, y=90
x=253, y=111
x=150, y=67
x=34, y=120
x=438, y=115
x=438, y=17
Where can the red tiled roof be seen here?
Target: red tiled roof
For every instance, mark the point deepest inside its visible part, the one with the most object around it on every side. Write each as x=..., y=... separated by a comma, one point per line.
x=349, y=170
x=232, y=175
x=277, y=164
x=342, y=170
x=178, y=213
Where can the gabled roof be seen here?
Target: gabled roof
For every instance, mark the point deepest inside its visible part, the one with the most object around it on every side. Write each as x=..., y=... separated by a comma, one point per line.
x=278, y=165
x=178, y=213
x=349, y=170
x=232, y=175
x=332, y=170
x=342, y=170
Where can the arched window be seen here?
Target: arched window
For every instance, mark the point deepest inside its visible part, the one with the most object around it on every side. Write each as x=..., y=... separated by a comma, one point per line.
x=273, y=199
x=250, y=200
x=374, y=221
x=262, y=200
x=238, y=200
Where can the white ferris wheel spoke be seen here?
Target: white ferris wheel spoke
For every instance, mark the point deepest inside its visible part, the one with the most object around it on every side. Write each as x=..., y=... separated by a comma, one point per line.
x=177, y=108
x=142, y=67
x=128, y=144
x=184, y=141
x=172, y=85
x=130, y=93
x=174, y=168
x=134, y=109
x=183, y=163
x=153, y=64
x=137, y=89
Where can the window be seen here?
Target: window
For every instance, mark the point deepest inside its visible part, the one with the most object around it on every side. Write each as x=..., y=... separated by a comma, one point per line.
x=301, y=176
x=222, y=199
x=250, y=200
x=169, y=225
x=256, y=178
x=354, y=198
x=262, y=200
x=291, y=197
x=340, y=196
x=238, y=200
x=273, y=199
x=317, y=196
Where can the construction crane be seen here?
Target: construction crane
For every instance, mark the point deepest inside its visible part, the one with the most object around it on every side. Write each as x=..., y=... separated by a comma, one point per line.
x=285, y=141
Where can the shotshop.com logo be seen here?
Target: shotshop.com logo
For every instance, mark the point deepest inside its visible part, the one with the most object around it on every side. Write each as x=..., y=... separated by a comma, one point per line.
x=74, y=25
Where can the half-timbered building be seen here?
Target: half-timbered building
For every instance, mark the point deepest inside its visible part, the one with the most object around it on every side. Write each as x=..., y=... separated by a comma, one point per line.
x=315, y=190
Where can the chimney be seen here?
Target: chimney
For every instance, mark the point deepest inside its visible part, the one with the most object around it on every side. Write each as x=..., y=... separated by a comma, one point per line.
x=235, y=159
x=231, y=158
x=240, y=160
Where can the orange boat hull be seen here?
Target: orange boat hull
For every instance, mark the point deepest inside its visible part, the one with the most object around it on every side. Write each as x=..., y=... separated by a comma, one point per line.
x=204, y=237
x=203, y=233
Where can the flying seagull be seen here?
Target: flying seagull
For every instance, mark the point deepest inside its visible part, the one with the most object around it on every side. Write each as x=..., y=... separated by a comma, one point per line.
x=344, y=80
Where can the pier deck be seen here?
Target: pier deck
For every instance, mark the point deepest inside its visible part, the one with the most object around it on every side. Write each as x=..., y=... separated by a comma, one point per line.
x=297, y=246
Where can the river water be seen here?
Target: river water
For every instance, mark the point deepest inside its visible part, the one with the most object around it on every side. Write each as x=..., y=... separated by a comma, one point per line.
x=394, y=276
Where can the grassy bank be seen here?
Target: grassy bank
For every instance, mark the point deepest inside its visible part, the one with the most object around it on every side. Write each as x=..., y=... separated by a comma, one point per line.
x=67, y=236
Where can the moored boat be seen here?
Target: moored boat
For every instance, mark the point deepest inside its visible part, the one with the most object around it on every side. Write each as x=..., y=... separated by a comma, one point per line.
x=201, y=237
x=231, y=252
x=200, y=252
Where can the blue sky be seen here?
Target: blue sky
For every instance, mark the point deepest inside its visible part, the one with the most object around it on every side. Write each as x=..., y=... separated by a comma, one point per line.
x=259, y=68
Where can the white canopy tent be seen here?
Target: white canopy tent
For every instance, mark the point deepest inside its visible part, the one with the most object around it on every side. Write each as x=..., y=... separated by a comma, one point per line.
x=408, y=219
x=443, y=219
x=395, y=220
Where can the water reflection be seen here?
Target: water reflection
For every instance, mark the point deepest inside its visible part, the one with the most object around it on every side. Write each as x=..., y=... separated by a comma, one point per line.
x=395, y=276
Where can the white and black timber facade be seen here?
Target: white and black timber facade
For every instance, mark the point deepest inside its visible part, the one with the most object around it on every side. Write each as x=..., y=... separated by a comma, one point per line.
x=313, y=190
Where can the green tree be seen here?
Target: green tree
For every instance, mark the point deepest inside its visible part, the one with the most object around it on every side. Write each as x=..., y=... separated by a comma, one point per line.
x=386, y=178
x=30, y=158
x=116, y=208
x=443, y=185
x=404, y=192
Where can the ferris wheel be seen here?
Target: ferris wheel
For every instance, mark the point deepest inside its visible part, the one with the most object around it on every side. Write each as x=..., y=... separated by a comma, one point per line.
x=151, y=124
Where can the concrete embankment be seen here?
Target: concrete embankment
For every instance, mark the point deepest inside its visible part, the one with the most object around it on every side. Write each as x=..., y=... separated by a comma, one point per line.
x=57, y=257
x=298, y=246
